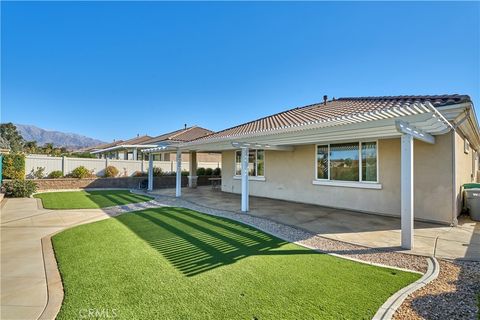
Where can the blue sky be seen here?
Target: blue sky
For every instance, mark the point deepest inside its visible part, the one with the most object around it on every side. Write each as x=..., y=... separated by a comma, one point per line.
x=112, y=70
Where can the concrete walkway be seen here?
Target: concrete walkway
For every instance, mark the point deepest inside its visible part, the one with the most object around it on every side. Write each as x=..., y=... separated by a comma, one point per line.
x=23, y=224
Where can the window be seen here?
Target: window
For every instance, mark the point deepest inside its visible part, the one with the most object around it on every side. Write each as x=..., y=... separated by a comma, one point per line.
x=256, y=163
x=347, y=162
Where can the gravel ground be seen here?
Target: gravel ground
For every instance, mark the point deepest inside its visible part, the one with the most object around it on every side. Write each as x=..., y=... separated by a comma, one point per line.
x=453, y=295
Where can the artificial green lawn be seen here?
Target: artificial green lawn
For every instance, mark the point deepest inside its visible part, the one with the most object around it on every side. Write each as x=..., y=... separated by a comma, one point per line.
x=89, y=199
x=173, y=263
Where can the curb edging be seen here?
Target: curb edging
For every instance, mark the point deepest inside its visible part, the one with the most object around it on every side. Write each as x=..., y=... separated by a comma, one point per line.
x=387, y=310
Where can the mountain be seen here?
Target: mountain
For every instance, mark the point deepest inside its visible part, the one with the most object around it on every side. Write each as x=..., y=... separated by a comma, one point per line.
x=59, y=139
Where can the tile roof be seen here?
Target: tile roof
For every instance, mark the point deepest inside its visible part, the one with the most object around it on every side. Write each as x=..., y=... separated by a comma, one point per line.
x=104, y=146
x=182, y=135
x=333, y=109
x=136, y=140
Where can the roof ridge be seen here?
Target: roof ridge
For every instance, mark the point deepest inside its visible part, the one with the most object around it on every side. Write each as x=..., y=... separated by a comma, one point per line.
x=178, y=132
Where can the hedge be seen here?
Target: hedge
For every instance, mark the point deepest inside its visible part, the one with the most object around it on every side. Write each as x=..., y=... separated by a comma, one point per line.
x=13, y=166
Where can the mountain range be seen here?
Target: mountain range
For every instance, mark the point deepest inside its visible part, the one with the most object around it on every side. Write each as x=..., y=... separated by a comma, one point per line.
x=59, y=139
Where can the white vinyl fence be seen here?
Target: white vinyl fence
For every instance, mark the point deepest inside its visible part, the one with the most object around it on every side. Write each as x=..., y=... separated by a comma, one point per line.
x=125, y=167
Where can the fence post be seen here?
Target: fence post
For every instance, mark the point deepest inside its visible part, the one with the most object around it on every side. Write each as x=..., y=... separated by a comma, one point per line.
x=63, y=165
x=106, y=163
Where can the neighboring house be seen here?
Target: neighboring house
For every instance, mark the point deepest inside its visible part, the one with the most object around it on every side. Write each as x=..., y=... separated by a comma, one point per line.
x=402, y=156
x=132, y=149
x=122, y=150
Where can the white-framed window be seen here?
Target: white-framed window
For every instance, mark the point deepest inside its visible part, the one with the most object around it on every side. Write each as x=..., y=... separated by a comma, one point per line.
x=256, y=163
x=352, y=161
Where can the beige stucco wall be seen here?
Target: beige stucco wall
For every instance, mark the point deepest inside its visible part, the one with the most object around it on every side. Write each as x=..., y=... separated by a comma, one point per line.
x=289, y=176
x=464, y=168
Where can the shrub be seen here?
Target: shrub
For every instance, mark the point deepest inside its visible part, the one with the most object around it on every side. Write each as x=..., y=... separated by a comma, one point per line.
x=157, y=172
x=55, y=174
x=217, y=172
x=139, y=174
x=20, y=188
x=111, y=172
x=208, y=171
x=38, y=174
x=185, y=173
x=13, y=166
x=80, y=173
x=200, y=171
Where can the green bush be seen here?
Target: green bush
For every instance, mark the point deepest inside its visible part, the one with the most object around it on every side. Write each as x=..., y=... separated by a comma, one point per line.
x=185, y=173
x=157, y=172
x=111, y=172
x=13, y=166
x=208, y=171
x=217, y=172
x=55, y=174
x=200, y=171
x=20, y=188
x=80, y=173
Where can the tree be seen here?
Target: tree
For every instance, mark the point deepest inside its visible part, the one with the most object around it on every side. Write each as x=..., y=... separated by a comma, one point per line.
x=9, y=132
x=30, y=147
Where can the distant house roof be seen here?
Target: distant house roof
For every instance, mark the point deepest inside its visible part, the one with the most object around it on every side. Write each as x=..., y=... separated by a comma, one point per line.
x=182, y=135
x=103, y=146
x=333, y=109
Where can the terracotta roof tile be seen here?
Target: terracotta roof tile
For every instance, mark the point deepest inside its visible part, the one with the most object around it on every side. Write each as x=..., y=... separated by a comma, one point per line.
x=332, y=109
x=182, y=135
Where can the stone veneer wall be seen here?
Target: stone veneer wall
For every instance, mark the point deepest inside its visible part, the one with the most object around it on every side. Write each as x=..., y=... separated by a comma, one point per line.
x=124, y=182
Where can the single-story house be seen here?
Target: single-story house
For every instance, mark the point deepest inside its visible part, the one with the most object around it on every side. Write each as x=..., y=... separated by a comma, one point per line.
x=122, y=149
x=131, y=149
x=403, y=156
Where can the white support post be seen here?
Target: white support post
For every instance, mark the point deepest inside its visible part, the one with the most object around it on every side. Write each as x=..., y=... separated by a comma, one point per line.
x=192, y=176
x=178, y=191
x=407, y=191
x=135, y=154
x=150, y=172
x=244, y=162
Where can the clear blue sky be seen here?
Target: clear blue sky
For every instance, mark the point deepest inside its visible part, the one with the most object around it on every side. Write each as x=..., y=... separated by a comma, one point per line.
x=112, y=70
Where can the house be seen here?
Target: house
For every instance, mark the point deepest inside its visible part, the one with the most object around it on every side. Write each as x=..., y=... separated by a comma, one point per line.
x=132, y=149
x=403, y=156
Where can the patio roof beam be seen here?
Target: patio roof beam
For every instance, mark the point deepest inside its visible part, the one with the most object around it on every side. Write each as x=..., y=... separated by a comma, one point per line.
x=406, y=128
x=254, y=145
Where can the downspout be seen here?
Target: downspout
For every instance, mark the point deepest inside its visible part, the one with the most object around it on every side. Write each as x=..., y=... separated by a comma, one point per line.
x=454, y=181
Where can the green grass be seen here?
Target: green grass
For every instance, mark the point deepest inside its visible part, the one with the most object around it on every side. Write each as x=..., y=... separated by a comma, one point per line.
x=174, y=263
x=89, y=199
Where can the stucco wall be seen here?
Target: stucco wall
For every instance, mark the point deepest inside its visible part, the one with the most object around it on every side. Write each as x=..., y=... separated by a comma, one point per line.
x=289, y=176
x=464, y=168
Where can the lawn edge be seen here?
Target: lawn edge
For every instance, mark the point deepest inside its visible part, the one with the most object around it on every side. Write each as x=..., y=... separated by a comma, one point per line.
x=388, y=309
x=55, y=293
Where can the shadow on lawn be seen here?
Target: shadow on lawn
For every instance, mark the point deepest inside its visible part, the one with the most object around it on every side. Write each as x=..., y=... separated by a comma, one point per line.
x=194, y=242
x=115, y=197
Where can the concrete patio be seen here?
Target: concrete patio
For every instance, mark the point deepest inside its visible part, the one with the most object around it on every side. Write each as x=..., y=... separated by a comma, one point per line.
x=461, y=242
